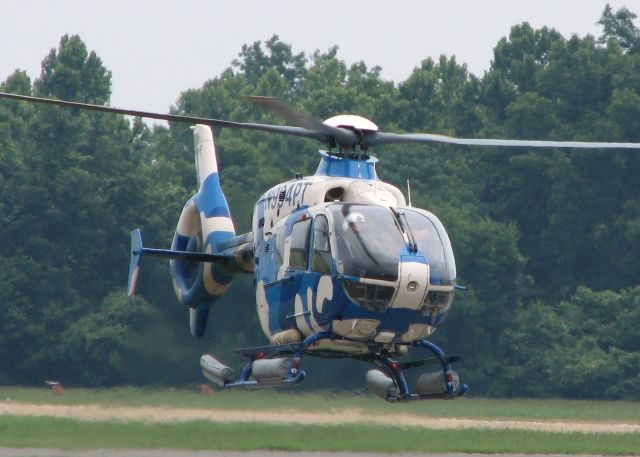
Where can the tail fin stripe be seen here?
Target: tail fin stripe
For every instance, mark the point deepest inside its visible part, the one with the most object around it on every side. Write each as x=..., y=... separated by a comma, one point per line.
x=210, y=199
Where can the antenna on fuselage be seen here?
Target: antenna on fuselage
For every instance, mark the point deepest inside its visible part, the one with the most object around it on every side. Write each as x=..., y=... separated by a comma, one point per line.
x=409, y=191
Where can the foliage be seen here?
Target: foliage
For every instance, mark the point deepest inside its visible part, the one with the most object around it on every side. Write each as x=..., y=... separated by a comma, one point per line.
x=588, y=346
x=618, y=27
x=546, y=241
x=60, y=433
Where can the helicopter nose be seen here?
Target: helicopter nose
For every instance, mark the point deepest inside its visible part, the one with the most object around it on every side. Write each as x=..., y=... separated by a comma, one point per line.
x=413, y=282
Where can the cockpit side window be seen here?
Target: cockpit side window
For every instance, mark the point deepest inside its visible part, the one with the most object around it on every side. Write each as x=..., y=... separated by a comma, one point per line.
x=299, y=244
x=434, y=244
x=321, y=255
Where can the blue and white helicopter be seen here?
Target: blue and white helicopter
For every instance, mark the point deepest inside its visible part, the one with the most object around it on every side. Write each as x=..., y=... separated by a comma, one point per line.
x=342, y=265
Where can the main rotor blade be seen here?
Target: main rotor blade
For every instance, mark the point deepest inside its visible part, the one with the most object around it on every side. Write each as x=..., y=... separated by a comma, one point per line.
x=285, y=129
x=342, y=136
x=378, y=138
x=308, y=127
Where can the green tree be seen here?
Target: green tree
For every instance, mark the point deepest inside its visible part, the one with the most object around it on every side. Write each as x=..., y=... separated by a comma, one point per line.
x=619, y=27
x=70, y=73
x=257, y=59
x=583, y=347
x=72, y=186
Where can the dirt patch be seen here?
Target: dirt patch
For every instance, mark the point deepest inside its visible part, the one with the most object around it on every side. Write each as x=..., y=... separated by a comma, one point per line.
x=347, y=416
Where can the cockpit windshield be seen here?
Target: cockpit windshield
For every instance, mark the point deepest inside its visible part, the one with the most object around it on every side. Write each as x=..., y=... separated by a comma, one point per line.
x=368, y=241
x=433, y=243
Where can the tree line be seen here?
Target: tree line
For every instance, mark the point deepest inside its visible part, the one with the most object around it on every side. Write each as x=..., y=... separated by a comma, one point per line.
x=547, y=241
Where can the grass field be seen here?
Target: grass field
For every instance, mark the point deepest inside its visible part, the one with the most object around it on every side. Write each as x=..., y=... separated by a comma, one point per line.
x=467, y=407
x=73, y=434
x=69, y=434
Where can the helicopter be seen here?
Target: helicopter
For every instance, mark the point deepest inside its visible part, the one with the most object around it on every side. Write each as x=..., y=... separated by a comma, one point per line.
x=343, y=265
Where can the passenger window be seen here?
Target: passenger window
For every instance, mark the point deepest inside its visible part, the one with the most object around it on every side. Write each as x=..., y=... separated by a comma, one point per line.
x=299, y=243
x=321, y=256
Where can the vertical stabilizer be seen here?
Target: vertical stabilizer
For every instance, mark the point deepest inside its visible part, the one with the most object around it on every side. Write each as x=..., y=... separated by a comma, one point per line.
x=206, y=161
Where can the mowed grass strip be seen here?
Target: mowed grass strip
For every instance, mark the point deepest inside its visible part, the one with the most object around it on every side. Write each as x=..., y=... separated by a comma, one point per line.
x=274, y=400
x=42, y=432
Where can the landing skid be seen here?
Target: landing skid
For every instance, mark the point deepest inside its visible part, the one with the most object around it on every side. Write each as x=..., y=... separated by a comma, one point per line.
x=390, y=383
x=279, y=365
x=268, y=366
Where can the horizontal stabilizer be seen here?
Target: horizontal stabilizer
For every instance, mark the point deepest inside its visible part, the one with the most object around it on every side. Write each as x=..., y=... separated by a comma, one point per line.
x=138, y=250
x=185, y=255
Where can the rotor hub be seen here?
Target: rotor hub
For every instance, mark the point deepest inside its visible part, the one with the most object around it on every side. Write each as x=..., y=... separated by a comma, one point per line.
x=352, y=122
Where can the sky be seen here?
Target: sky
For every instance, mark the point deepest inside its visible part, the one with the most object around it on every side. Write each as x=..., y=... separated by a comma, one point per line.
x=156, y=49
